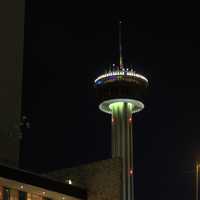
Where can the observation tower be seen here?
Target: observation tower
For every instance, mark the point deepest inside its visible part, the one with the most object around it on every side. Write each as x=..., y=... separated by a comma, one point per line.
x=120, y=93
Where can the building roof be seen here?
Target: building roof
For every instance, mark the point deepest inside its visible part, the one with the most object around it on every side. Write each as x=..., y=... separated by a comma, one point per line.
x=43, y=182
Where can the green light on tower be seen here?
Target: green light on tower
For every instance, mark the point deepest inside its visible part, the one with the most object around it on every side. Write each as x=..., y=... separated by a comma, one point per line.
x=115, y=105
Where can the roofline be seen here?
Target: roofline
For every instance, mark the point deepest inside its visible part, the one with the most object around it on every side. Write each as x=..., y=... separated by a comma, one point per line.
x=41, y=181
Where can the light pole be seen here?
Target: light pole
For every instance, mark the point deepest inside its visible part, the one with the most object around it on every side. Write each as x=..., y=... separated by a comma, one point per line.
x=197, y=180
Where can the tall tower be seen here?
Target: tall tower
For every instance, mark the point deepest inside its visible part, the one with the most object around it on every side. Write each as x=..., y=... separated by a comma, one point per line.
x=120, y=92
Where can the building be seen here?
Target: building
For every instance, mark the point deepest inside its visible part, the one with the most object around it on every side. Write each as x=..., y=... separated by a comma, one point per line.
x=11, y=61
x=18, y=184
x=101, y=179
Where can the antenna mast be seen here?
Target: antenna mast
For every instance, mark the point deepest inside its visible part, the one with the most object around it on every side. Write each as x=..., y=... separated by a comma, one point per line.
x=120, y=46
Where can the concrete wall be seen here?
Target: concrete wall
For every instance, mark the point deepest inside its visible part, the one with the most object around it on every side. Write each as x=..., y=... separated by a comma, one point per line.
x=11, y=51
x=102, y=179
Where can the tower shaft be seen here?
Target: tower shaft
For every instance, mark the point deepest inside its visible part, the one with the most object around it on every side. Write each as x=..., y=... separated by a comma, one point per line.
x=122, y=144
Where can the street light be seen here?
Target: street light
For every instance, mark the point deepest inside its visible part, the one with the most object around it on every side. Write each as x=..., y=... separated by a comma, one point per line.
x=197, y=180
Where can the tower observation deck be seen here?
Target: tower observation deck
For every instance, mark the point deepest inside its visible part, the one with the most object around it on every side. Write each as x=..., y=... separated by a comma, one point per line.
x=120, y=92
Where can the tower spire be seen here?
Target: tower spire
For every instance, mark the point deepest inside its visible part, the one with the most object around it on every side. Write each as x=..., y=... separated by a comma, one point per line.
x=120, y=45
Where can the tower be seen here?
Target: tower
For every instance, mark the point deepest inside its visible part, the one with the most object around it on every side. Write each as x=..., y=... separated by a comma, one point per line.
x=120, y=92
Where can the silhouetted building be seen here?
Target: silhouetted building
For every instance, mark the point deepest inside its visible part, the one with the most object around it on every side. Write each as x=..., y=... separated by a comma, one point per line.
x=11, y=61
x=16, y=184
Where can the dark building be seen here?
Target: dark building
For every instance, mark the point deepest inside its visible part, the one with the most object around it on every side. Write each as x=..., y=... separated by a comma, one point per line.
x=11, y=61
x=16, y=184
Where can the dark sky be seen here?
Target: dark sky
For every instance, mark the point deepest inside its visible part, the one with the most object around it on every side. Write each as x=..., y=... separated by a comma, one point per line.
x=67, y=45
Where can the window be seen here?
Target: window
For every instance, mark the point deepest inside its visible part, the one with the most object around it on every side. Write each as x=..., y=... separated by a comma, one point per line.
x=6, y=193
x=14, y=194
x=22, y=195
x=33, y=197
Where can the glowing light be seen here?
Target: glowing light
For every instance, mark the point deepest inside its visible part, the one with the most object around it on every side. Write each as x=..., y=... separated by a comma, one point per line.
x=133, y=104
x=121, y=72
x=130, y=172
x=98, y=82
x=130, y=119
x=113, y=119
x=21, y=187
x=43, y=193
x=63, y=198
x=115, y=105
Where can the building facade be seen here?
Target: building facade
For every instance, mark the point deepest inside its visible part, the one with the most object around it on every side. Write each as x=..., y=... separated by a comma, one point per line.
x=17, y=184
x=102, y=179
x=11, y=61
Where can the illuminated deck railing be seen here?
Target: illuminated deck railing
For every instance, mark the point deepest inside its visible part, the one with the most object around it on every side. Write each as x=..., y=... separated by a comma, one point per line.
x=120, y=74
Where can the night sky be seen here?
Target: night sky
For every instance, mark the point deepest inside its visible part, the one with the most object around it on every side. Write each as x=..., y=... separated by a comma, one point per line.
x=67, y=46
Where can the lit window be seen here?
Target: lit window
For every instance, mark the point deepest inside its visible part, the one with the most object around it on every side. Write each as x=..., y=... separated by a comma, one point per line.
x=14, y=194
x=68, y=181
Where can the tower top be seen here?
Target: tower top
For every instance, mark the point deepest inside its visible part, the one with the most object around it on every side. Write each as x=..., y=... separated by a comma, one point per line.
x=121, y=84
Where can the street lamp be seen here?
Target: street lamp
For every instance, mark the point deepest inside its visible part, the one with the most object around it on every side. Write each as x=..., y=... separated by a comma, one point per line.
x=197, y=180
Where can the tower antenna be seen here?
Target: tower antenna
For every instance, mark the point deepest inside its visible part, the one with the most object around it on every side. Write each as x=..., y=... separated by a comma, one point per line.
x=120, y=45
